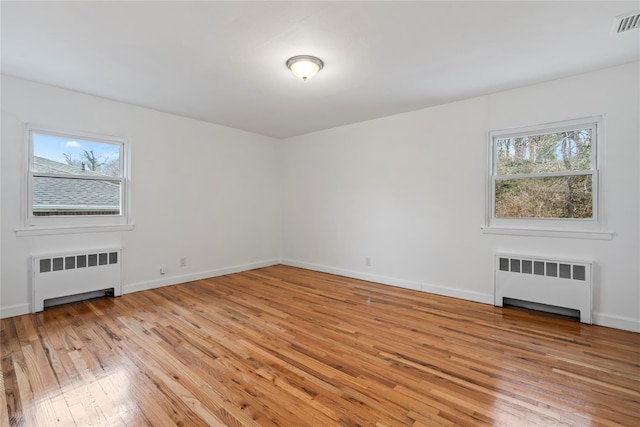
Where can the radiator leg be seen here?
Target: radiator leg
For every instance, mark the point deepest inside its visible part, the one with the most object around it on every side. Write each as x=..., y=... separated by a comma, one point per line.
x=585, y=316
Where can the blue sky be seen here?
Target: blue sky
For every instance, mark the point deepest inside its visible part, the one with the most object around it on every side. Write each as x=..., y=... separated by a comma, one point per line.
x=54, y=148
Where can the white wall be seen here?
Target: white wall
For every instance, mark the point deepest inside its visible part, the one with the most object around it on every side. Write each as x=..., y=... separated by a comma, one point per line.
x=230, y=200
x=206, y=192
x=408, y=191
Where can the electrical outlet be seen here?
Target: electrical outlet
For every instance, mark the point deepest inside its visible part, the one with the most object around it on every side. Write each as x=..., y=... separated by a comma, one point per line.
x=183, y=261
x=162, y=270
x=367, y=261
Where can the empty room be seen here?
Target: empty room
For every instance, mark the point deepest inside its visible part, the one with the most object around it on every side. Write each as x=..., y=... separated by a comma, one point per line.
x=320, y=213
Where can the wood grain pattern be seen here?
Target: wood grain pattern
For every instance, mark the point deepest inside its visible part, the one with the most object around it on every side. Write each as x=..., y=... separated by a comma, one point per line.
x=282, y=346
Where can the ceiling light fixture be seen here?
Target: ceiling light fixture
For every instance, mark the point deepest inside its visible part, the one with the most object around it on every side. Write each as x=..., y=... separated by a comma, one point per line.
x=304, y=66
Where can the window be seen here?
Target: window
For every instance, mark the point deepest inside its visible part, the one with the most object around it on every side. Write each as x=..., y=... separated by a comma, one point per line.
x=75, y=179
x=545, y=176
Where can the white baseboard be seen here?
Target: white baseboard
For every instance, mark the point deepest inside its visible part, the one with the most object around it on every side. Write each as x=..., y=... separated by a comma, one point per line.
x=385, y=280
x=354, y=274
x=20, y=309
x=174, y=280
x=601, y=319
x=616, y=322
x=458, y=293
x=14, y=310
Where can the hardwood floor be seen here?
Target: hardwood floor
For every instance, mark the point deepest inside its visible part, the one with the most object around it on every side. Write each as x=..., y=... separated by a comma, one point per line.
x=281, y=346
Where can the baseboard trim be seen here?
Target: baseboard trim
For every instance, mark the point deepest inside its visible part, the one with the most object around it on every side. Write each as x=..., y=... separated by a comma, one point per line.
x=458, y=293
x=20, y=309
x=616, y=322
x=184, y=278
x=386, y=280
x=14, y=310
x=600, y=319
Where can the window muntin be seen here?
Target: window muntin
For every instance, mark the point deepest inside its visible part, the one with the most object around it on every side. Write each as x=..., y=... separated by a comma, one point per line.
x=75, y=178
x=545, y=174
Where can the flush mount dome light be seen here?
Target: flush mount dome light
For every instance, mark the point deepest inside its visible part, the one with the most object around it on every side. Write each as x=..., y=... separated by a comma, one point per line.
x=304, y=66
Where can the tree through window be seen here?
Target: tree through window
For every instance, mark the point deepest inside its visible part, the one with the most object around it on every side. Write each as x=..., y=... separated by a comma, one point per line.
x=75, y=176
x=546, y=172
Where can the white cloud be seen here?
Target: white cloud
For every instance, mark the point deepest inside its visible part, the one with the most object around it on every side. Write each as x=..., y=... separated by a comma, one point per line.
x=73, y=144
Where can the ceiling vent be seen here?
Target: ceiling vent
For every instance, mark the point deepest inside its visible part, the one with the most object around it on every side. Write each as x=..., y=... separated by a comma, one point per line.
x=626, y=22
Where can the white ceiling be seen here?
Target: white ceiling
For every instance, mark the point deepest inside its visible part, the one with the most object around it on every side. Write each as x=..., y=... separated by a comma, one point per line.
x=224, y=62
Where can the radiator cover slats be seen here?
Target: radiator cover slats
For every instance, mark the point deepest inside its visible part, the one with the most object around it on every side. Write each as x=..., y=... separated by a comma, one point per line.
x=66, y=274
x=549, y=281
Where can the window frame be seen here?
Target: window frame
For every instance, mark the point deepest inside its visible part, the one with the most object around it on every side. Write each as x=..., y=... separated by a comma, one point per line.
x=73, y=223
x=547, y=224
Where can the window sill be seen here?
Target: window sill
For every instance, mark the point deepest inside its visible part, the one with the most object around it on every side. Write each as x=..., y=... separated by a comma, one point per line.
x=566, y=234
x=49, y=231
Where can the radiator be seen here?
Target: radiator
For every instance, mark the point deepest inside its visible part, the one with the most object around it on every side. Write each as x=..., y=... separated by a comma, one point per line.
x=554, y=282
x=67, y=274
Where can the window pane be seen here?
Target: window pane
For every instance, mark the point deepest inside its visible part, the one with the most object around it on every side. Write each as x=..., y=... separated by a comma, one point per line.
x=66, y=155
x=553, y=152
x=69, y=196
x=549, y=197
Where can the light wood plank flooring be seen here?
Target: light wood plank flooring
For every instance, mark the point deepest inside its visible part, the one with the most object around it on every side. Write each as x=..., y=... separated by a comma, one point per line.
x=282, y=346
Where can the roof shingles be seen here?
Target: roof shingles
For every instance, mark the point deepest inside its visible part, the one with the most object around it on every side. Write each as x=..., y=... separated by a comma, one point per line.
x=72, y=194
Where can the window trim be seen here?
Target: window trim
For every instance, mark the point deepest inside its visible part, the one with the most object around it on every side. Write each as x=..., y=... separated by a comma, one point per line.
x=68, y=224
x=560, y=227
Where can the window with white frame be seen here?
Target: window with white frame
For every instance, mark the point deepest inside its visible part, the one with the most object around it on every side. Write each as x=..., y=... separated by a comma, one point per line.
x=75, y=178
x=545, y=175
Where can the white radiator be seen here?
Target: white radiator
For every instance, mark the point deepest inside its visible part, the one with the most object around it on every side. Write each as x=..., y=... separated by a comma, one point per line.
x=67, y=274
x=554, y=282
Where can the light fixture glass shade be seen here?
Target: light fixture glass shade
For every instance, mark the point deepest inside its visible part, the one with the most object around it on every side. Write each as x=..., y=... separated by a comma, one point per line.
x=304, y=66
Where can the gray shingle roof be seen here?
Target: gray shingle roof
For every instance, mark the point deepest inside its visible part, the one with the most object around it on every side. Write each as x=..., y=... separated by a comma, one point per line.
x=42, y=164
x=66, y=194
